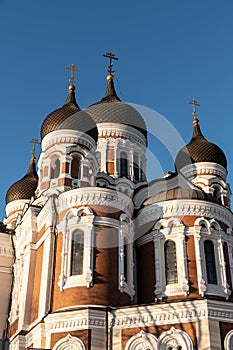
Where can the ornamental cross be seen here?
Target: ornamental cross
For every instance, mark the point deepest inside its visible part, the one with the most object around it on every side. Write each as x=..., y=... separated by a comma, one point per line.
x=111, y=57
x=195, y=104
x=73, y=70
x=35, y=142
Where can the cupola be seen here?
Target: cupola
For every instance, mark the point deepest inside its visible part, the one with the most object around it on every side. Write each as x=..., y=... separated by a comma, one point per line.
x=24, y=188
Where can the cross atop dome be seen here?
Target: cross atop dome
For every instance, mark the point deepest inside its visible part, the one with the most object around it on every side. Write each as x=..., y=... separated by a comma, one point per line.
x=73, y=70
x=35, y=142
x=195, y=104
x=111, y=57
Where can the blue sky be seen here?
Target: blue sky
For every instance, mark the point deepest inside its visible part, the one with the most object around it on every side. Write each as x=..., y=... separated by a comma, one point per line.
x=170, y=51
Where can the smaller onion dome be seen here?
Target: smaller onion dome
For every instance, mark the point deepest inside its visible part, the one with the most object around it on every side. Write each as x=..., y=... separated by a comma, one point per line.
x=24, y=188
x=199, y=150
x=110, y=109
x=56, y=118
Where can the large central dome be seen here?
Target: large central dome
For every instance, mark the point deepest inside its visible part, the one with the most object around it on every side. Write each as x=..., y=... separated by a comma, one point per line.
x=110, y=109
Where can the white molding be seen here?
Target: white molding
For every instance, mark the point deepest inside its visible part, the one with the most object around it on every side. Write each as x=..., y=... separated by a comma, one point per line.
x=173, y=338
x=67, y=136
x=228, y=341
x=7, y=252
x=125, y=234
x=120, y=131
x=16, y=206
x=221, y=288
x=142, y=340
x=184, y=207
x=172, y=313
x=96, y=196
x=176, y=235
x=204, y=168
x=74, y=221
x=69, y=342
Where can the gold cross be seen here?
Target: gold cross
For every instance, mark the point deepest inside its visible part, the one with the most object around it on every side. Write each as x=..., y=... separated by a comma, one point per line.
x=35, y=142
x=195, y=104
x=73, y=70
x=111, y=57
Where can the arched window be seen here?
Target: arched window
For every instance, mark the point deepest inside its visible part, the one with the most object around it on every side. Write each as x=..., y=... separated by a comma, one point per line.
x=54, y=167
x=75, y=165
x=77, y=250
x=170, y=262
x=124, y=164
x=210, y=262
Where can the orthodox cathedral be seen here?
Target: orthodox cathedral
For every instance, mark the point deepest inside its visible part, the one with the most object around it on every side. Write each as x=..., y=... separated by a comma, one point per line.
x=94, y=257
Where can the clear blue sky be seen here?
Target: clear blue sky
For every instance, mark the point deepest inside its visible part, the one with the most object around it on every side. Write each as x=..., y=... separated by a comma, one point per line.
x=170, y=51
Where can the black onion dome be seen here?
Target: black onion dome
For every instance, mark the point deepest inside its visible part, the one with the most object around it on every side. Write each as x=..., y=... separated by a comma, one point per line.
x=54, y=119
x=199, y=150
x=82, y=122
x=24, y=188
x=110, y=109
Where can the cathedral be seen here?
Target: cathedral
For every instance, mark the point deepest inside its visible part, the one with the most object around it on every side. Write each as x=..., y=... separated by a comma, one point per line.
x=95, y=257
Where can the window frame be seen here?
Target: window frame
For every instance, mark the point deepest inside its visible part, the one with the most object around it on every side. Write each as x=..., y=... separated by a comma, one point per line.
x=174, y=230
x=216, y=236
x=74, y=221
x=125, y=237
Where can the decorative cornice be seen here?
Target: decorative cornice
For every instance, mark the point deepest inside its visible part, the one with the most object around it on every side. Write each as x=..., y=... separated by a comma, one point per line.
x=6, y=252
x=16, y=206
x=67, y=137
x=73, y=320
x=96, y=196
x=108, y=130
x=204, y=168
x=183, y=207
x=173, y=313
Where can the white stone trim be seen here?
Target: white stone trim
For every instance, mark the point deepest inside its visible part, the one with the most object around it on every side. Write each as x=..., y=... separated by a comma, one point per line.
x=16, y=206
x=228, y=341
x=204, y=168
x=120, y=131
x=74, y=221
x=125, y=235
x=177, y=235
x=67, y=136
x=96, y=196
x=183, y=207
x=172, y=313
x=222, y=288
x=173, y=338
x=69, y=342
x=142, y=340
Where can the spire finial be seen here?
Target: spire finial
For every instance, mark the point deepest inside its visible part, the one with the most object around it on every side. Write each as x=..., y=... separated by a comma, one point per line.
x=73, y=70
x=195, y=104
x=35, y=142
x=111, y=57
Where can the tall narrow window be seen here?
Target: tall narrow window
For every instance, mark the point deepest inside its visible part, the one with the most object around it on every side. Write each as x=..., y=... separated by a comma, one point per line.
x=210, y=262
x=136, y=170
x=124, y=164
x=98, y=157
x=110, y=161
x=75, y=165
x=170, y=262
x=77, y=248
x=55, y=168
